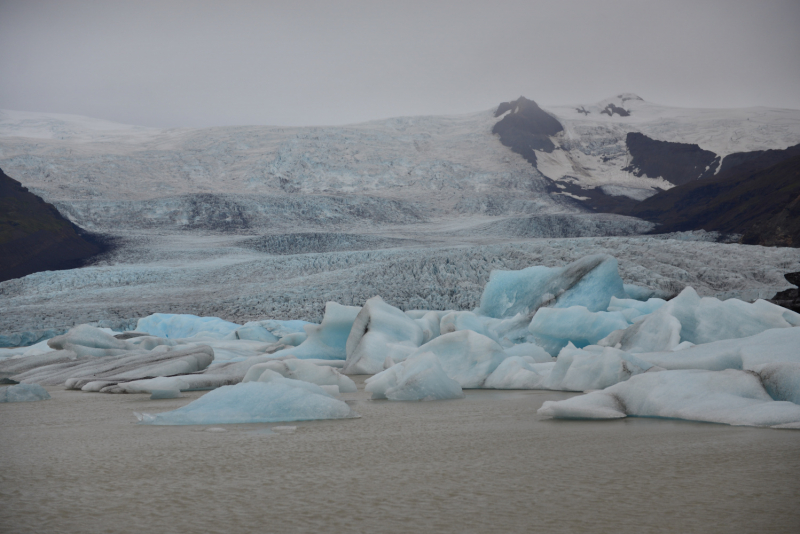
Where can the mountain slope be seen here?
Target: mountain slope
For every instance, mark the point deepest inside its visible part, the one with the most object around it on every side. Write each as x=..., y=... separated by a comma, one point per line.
x=35, y=237
x=758, y=198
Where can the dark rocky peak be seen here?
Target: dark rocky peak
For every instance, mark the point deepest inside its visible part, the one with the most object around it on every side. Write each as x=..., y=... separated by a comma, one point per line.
x=610, y=109
x=526, y=128
x=528, y=115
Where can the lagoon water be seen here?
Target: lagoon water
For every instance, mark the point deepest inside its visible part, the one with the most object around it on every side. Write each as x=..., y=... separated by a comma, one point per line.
x=488, y=463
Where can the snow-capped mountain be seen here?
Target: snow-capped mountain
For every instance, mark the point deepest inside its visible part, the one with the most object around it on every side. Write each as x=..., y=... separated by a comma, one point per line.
x=395, y=171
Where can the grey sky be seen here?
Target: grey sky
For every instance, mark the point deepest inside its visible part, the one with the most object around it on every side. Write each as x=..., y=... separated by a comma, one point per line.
x=200, y=63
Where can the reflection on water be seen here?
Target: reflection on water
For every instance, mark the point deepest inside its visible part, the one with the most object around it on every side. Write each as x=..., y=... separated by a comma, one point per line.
x=79, y=463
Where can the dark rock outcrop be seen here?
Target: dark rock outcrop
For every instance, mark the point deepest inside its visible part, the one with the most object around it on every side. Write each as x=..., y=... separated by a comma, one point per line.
x=612, y=108
x=791, y=297
x=526, y=128
x=677, y=163
x=35, y=237
x=758, y=198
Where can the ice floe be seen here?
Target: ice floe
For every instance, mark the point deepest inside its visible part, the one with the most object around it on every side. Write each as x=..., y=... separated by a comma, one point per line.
x=419, y=377
x=277, y=400
x=732, y=397
x=23, y=393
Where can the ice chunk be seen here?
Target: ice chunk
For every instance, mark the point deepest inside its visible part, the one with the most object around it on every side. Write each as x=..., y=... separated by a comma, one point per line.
x=420, y=377
x=770, y=346
x=129, y=366
x=303, y=370
x=581, y=370
x=466, y=356
x=517, y=372
x=553, y=328
x=731, y=397
x=180, y=326
x=701, y=320
x=87, y=340
x=279, y=399
x=23, y=393
x=253, y=332
x=328, y=340
x=430, y=325
x=781, y=380
x=590, y=282
x=379, y=331
x=530, y=350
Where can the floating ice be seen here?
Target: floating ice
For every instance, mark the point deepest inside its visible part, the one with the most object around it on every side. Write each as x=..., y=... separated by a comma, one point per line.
x=112, y=369
x=593, y=368
x=519, y=372
x=327, y=340
x=280, y=399
x=420, y=377
x=87, y=340
x=466, y=356
x=591, y=282
x=731, y=397
x=179, y=326
x=771, y=346
x=688, y=317
x=553, y=328
x=380, y=331
x=23, y=393
x=529, y=350
x=303, y=370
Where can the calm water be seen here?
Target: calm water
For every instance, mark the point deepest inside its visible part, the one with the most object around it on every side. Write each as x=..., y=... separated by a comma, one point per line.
x=79, y=463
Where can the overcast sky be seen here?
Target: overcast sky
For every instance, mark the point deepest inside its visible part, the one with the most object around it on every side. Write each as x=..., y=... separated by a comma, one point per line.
x=200, y=63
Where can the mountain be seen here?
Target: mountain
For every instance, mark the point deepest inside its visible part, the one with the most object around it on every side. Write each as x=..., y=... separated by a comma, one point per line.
x=757, y=196
x=35, y=237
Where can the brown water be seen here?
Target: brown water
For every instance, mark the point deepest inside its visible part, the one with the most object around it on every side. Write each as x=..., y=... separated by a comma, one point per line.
x=79, y=463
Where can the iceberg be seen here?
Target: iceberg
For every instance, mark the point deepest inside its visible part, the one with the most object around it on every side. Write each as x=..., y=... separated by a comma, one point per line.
x=87, y=340
x=771, y=346
x=277, y=400
x=519, y=372
x=380, y=331
x=700, y=320
x=466, y=356
x=730, y=397
x=296, y=369
x=327, y=340
x=553, y=328
x=419, y=377
x=590, y=281
x=180, y=326
x=23, y=393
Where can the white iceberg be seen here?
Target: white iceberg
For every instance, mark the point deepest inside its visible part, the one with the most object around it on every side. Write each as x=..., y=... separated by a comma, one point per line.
x=466, y=356
x=420, y=377
x=380, y=331
x=700, y=320
x=730, y=397
x=277, y=400
x=296, y=369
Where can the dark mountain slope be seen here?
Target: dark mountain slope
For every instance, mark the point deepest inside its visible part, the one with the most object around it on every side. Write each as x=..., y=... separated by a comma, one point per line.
x=35, y=237
x=757, y=198
x=526, y=128
x=677, y=163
